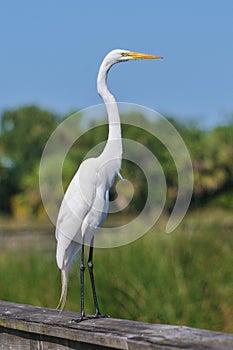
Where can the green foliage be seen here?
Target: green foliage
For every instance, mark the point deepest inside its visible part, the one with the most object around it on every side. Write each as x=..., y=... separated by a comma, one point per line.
x=24, y=134
x=25, y=131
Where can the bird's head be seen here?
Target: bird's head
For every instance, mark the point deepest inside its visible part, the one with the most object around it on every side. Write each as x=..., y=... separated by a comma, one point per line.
x=119, y=55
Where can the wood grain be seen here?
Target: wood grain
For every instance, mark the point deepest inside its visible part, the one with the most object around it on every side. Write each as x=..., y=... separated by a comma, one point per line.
x=31, y=327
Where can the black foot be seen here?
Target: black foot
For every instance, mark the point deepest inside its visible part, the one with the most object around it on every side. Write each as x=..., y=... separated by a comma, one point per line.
x=88, y=317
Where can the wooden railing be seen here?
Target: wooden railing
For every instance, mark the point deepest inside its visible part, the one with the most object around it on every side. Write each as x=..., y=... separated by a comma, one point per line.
x=29, y=327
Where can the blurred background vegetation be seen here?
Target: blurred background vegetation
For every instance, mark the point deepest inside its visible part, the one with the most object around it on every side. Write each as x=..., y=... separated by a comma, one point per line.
x=183, y=278
x=24, y=133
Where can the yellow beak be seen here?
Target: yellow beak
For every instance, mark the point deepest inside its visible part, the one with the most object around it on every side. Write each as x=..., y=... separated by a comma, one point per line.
x=142, y=56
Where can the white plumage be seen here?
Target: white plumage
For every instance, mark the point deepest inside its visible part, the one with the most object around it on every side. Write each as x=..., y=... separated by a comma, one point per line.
x=85, y=204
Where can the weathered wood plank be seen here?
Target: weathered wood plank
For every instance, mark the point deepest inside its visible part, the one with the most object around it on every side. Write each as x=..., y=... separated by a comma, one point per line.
x=31, y=327
x=14, y=339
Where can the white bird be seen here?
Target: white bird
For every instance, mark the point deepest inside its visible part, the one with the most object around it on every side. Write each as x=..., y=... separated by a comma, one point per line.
x=85, y=203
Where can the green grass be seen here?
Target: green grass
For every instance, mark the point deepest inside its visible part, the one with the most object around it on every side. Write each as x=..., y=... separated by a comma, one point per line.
x=182, y=278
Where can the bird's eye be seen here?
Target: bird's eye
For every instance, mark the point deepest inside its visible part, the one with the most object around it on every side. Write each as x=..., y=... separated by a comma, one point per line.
x=125, y=54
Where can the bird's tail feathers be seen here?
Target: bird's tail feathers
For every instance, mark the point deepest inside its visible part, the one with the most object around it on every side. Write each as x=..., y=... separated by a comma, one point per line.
x=64, y=282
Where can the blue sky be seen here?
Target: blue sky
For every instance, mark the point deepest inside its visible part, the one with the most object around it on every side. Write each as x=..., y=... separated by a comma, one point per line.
x=51, y=51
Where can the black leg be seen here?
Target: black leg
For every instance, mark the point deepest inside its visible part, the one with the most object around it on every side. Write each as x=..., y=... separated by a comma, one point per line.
x=90, y=268
x=82, y=269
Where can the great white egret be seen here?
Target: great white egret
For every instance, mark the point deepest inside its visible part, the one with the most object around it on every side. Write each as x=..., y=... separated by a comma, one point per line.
x=85, y=203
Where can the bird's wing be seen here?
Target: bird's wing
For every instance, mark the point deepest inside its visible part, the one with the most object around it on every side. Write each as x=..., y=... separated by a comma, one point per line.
x=78, y=199
x=75, y=216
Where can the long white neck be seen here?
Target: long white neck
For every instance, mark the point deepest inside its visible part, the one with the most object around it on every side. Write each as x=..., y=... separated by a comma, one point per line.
x=114, y=134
